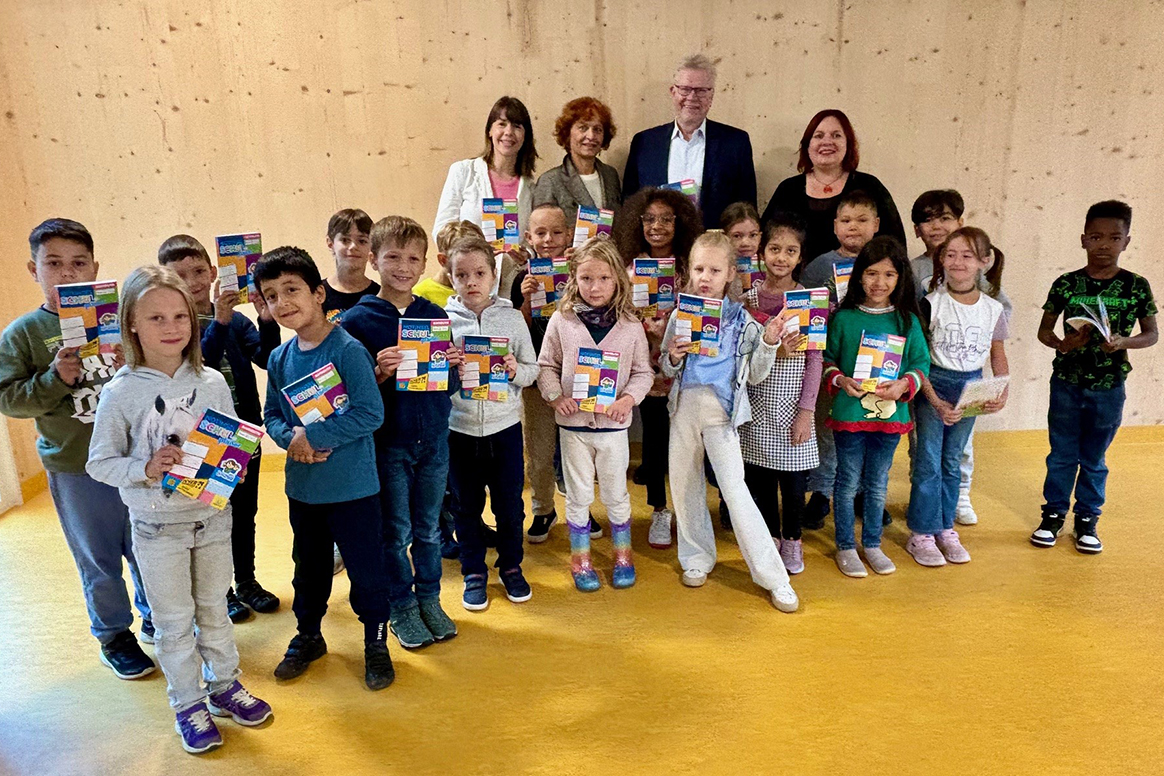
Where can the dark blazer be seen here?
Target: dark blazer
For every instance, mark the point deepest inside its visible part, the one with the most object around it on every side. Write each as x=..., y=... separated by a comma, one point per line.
x=819, y=214
x=563, y=186
x=729, y=174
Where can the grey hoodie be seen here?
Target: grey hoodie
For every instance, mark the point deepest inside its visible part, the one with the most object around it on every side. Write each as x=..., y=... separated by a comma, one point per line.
x=482, y=418
x=142, y=410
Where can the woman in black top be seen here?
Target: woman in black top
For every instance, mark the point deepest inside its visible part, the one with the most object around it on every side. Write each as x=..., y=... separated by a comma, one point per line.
x=828, y=169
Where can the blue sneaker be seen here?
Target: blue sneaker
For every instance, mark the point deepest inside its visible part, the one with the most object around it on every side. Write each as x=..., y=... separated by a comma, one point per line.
x=623, y=576
x=235, y=702
x=146, y=633
x=516, y=588
x=475, y=598
x=198, y=731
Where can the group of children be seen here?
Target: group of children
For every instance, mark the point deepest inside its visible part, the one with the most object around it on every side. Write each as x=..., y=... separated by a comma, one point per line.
x=763, y=419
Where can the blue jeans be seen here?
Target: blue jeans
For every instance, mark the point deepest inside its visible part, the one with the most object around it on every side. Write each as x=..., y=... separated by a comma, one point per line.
x=96, y=527
x=863, y=461
x=937, y=461
x=187, y=569
x=412, y=488
x=1081, y=424
x=494, y=462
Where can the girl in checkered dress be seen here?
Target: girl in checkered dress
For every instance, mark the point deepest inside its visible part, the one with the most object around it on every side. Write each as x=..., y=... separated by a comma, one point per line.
x=779, y=444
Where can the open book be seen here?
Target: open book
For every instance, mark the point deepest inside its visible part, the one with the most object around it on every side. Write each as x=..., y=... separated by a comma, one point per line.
x=976, y=393
x=1092, y=316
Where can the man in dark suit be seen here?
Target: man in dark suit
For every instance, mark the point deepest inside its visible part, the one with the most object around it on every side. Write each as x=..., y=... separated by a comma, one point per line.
x=716, y=156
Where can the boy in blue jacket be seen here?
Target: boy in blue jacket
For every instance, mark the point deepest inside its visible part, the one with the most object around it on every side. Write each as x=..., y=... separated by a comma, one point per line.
x=412, y=446
x=231, y=344
x=331, y=483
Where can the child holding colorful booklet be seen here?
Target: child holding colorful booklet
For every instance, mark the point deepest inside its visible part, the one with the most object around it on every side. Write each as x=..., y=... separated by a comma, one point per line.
x=412, y=444
x=967, y=327
x=876, y=329
x=711, y=362
x=779, y=443
x=183, y=545
x=331, y=484
x=485, y=441
x=595, y=367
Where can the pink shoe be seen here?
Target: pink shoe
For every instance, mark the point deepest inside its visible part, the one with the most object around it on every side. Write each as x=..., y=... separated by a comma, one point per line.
x=792, y=553
x=924, y=550
x=951, y=546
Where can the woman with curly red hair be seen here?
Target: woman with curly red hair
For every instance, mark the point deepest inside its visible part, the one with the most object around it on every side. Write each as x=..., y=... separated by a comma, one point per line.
x=584, y=129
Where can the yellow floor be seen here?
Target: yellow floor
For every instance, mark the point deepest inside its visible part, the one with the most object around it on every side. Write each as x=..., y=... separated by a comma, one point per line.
x=1024, y=661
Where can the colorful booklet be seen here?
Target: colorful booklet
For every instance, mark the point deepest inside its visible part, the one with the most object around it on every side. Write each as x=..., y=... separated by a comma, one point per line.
x=552, y=274
x=484, y=377
x=750, y=270
x=976, y=393
x=595, y=379
x=699, y=318
x=653, y=286
x=319, y=395
x=1096, y=317
x=842, y=270
x=592, y=222
x=688, y=186
x=499, y=223
x=213, y=456
x=878, y=359
x=88, y=317
x=424, y=343
x=812, y=308
x=237, y=256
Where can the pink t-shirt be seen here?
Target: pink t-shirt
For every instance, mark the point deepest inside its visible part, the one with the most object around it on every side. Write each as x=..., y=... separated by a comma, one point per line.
x=503, y=190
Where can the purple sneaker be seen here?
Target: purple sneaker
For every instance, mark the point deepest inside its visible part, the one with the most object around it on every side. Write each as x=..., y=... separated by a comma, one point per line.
x=240, y=705
x=198, y=731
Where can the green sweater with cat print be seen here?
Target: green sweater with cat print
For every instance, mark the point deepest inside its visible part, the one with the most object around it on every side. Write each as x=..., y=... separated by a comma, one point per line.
x=869, y=413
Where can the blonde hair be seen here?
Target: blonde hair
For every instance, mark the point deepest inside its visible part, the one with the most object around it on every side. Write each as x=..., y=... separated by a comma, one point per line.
x=397, y=230
x=472, y=244
x=714, y=240
x=139, y=283
x=455, y=231
x=600, y=248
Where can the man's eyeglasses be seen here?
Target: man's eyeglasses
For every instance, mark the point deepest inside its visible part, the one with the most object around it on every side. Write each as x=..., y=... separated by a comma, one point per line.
x=693, y=91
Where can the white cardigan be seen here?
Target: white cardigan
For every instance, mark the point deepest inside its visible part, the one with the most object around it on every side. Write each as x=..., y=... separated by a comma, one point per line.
x=468, y=184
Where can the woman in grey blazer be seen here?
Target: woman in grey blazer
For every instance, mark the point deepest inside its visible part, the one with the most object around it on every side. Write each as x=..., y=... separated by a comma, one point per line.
x=584, y=129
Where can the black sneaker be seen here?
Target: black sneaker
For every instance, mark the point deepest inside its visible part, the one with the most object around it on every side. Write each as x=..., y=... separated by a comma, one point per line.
x=253, y=595
x=639, y=477
x=516, y=588
x=300, y=653
x=815, y=512
x=123, y=654
x=1086, y=540
x=595, y=529
x=450, y=549
x=539, y=530
x=236, y=609
x=1048, y=530
x=378, y=670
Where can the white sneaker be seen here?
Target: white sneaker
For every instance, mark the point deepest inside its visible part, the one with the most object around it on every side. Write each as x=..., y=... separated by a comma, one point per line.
x=965, y=514
x=337, y=561
x=659, y=536
x=784, y=598
x=694, y=578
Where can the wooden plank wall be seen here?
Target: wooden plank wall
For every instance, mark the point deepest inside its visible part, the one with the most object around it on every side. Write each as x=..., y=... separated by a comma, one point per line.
x=142, y=119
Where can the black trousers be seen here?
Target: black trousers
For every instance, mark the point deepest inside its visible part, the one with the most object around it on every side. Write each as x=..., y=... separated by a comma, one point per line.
x=656, y=439
x=244, y=505
x=356, y=527
x=764, y=484
x=496, y=463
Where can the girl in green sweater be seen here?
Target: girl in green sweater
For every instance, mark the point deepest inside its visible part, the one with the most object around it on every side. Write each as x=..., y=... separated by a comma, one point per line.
x=868, y=424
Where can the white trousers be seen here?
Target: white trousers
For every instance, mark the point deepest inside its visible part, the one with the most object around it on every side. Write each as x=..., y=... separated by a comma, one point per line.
x=700, y=424
x=587, y=456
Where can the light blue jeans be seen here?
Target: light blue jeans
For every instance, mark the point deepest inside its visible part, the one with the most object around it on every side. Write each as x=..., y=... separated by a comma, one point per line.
x=187, y=569
x=938, y=458
x=96, y=527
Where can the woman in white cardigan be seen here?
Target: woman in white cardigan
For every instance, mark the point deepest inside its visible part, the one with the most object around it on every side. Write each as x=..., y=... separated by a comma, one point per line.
x=503, y=170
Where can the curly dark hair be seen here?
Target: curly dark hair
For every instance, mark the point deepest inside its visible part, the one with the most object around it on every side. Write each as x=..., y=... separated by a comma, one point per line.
x=628, y=225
